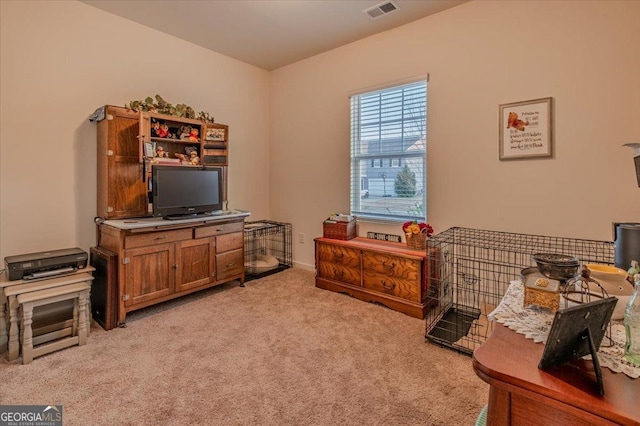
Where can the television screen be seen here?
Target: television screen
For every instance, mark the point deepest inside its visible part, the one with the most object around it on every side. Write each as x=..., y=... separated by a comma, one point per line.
x=179, y=191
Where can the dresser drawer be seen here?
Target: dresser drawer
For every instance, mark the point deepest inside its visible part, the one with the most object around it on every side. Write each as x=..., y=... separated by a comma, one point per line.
x=338, y=255
x=152, y=238
x=337, y=272
x=396, y=266
x=403, y=288
x=229, y=264
x=219, y=229
x=228, y=242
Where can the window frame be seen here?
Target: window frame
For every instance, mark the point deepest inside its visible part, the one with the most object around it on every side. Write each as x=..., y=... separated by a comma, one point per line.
x=359, y=159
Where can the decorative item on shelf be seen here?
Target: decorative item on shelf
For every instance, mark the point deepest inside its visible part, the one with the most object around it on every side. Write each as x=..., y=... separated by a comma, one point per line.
x=339, y=229
x=155, y=127
x=603, y=281
x=182, y=158
x=194, y=135
x=163, y=131
x=632, y=325
x=163, y=107
x=215, y=135
x=193, y=158
x=633, y=270
x=160, y=152
x=540, y=291
x=185, y=131
x=556, y=266
x=417, y=234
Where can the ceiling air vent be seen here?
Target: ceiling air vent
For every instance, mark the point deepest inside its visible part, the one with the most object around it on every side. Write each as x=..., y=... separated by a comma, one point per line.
x=381, y=9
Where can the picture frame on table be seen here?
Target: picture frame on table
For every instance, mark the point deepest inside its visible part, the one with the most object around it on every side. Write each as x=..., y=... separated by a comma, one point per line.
x=526, y=129
x=214, y=134
x=148, y=150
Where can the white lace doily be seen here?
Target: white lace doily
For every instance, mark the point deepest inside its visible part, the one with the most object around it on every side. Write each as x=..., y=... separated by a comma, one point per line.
x=535, y=324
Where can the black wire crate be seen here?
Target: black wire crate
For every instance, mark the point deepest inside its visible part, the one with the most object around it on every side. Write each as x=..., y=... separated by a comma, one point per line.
x=267, y=248
x=473, y=269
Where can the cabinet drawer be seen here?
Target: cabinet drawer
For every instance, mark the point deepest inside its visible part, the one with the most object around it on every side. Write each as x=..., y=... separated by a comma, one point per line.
x=229, y=264
x=337, y=272
x=161, y=237
x=338, y=255
x=229, y=242
x=218, y=229
x=396, y=266
x=392, y=285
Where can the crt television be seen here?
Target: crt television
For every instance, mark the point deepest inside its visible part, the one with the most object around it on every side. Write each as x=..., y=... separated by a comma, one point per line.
x=181, y=191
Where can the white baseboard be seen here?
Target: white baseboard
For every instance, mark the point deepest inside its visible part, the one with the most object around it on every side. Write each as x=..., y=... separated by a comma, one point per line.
x=306, y=266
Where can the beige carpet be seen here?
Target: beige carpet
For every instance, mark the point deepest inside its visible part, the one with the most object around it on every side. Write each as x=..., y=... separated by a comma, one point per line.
x=277, y=352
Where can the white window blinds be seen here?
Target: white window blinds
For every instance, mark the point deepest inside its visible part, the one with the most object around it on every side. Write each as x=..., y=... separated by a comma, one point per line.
x=388, y=153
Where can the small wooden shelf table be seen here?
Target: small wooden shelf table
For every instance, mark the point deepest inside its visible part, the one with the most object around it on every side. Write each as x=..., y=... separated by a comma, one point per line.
x=45, y=291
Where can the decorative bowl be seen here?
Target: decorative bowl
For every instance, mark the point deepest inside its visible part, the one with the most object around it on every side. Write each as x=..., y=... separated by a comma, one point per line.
x=557, y=266
x=613, y=279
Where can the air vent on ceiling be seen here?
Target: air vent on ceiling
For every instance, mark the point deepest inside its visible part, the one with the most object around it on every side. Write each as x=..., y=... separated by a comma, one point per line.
x=381, y=9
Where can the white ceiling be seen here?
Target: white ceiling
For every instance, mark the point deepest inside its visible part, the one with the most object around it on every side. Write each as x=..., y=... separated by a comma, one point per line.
x=269, y=33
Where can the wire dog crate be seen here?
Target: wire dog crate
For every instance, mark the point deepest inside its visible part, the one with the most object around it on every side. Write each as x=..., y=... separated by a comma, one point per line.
x=267, y=248
x=473, y=269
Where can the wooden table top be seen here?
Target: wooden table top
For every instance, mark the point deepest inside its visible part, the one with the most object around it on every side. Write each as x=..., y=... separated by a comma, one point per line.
x=509, y=360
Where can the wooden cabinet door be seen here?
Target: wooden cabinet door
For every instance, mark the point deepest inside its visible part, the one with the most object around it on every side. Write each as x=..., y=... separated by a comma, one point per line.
x=149, y=273
x=122, y=192
x=196, y=263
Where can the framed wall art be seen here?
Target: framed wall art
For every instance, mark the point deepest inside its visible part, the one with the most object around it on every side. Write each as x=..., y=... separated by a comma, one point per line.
x=526, y=129
x=215, y=134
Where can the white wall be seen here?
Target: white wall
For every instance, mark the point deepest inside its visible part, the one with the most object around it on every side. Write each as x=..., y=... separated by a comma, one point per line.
x=290, y=130
x=586, y=55
x=60, y=61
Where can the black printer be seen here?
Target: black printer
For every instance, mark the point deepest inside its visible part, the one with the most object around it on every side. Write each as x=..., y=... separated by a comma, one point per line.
x=45, y=264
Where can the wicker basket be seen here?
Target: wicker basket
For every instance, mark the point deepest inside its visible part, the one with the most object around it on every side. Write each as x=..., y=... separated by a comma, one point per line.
x=417, y=241
x=339, y=230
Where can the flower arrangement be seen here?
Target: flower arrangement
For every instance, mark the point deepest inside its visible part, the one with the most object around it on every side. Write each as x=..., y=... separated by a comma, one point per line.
x=414, y=227
x=417, y=234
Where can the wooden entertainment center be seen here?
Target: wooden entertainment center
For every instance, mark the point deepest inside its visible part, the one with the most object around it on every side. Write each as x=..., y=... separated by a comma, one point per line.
x=127, y=149
x=157, y=259
x=161, y=260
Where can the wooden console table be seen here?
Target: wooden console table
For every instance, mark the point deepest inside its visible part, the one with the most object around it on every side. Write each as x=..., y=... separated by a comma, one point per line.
x=522, y=394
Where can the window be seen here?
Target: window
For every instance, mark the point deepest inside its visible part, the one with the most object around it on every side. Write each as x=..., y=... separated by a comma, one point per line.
x=388, y=153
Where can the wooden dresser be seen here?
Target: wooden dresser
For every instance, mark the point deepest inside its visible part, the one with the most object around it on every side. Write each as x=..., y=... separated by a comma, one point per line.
x=375, y=271
x=523, y=394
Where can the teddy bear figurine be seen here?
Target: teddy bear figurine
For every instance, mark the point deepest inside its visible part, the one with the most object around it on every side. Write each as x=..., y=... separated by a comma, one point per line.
x=193, y=135
x=155, y=126
x=185, y=131
x=193, y=158
x=163, y=131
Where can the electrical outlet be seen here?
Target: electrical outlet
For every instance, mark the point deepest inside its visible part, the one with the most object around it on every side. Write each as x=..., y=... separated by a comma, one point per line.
x=301, y=237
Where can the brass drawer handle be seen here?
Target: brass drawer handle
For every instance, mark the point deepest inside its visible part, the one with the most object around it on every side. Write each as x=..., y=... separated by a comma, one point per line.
x=385, y=265
x=161, y=238
x=388, y=287
x=338, y=272
x=219, y=229
x=338, y=254
x=229, y=265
